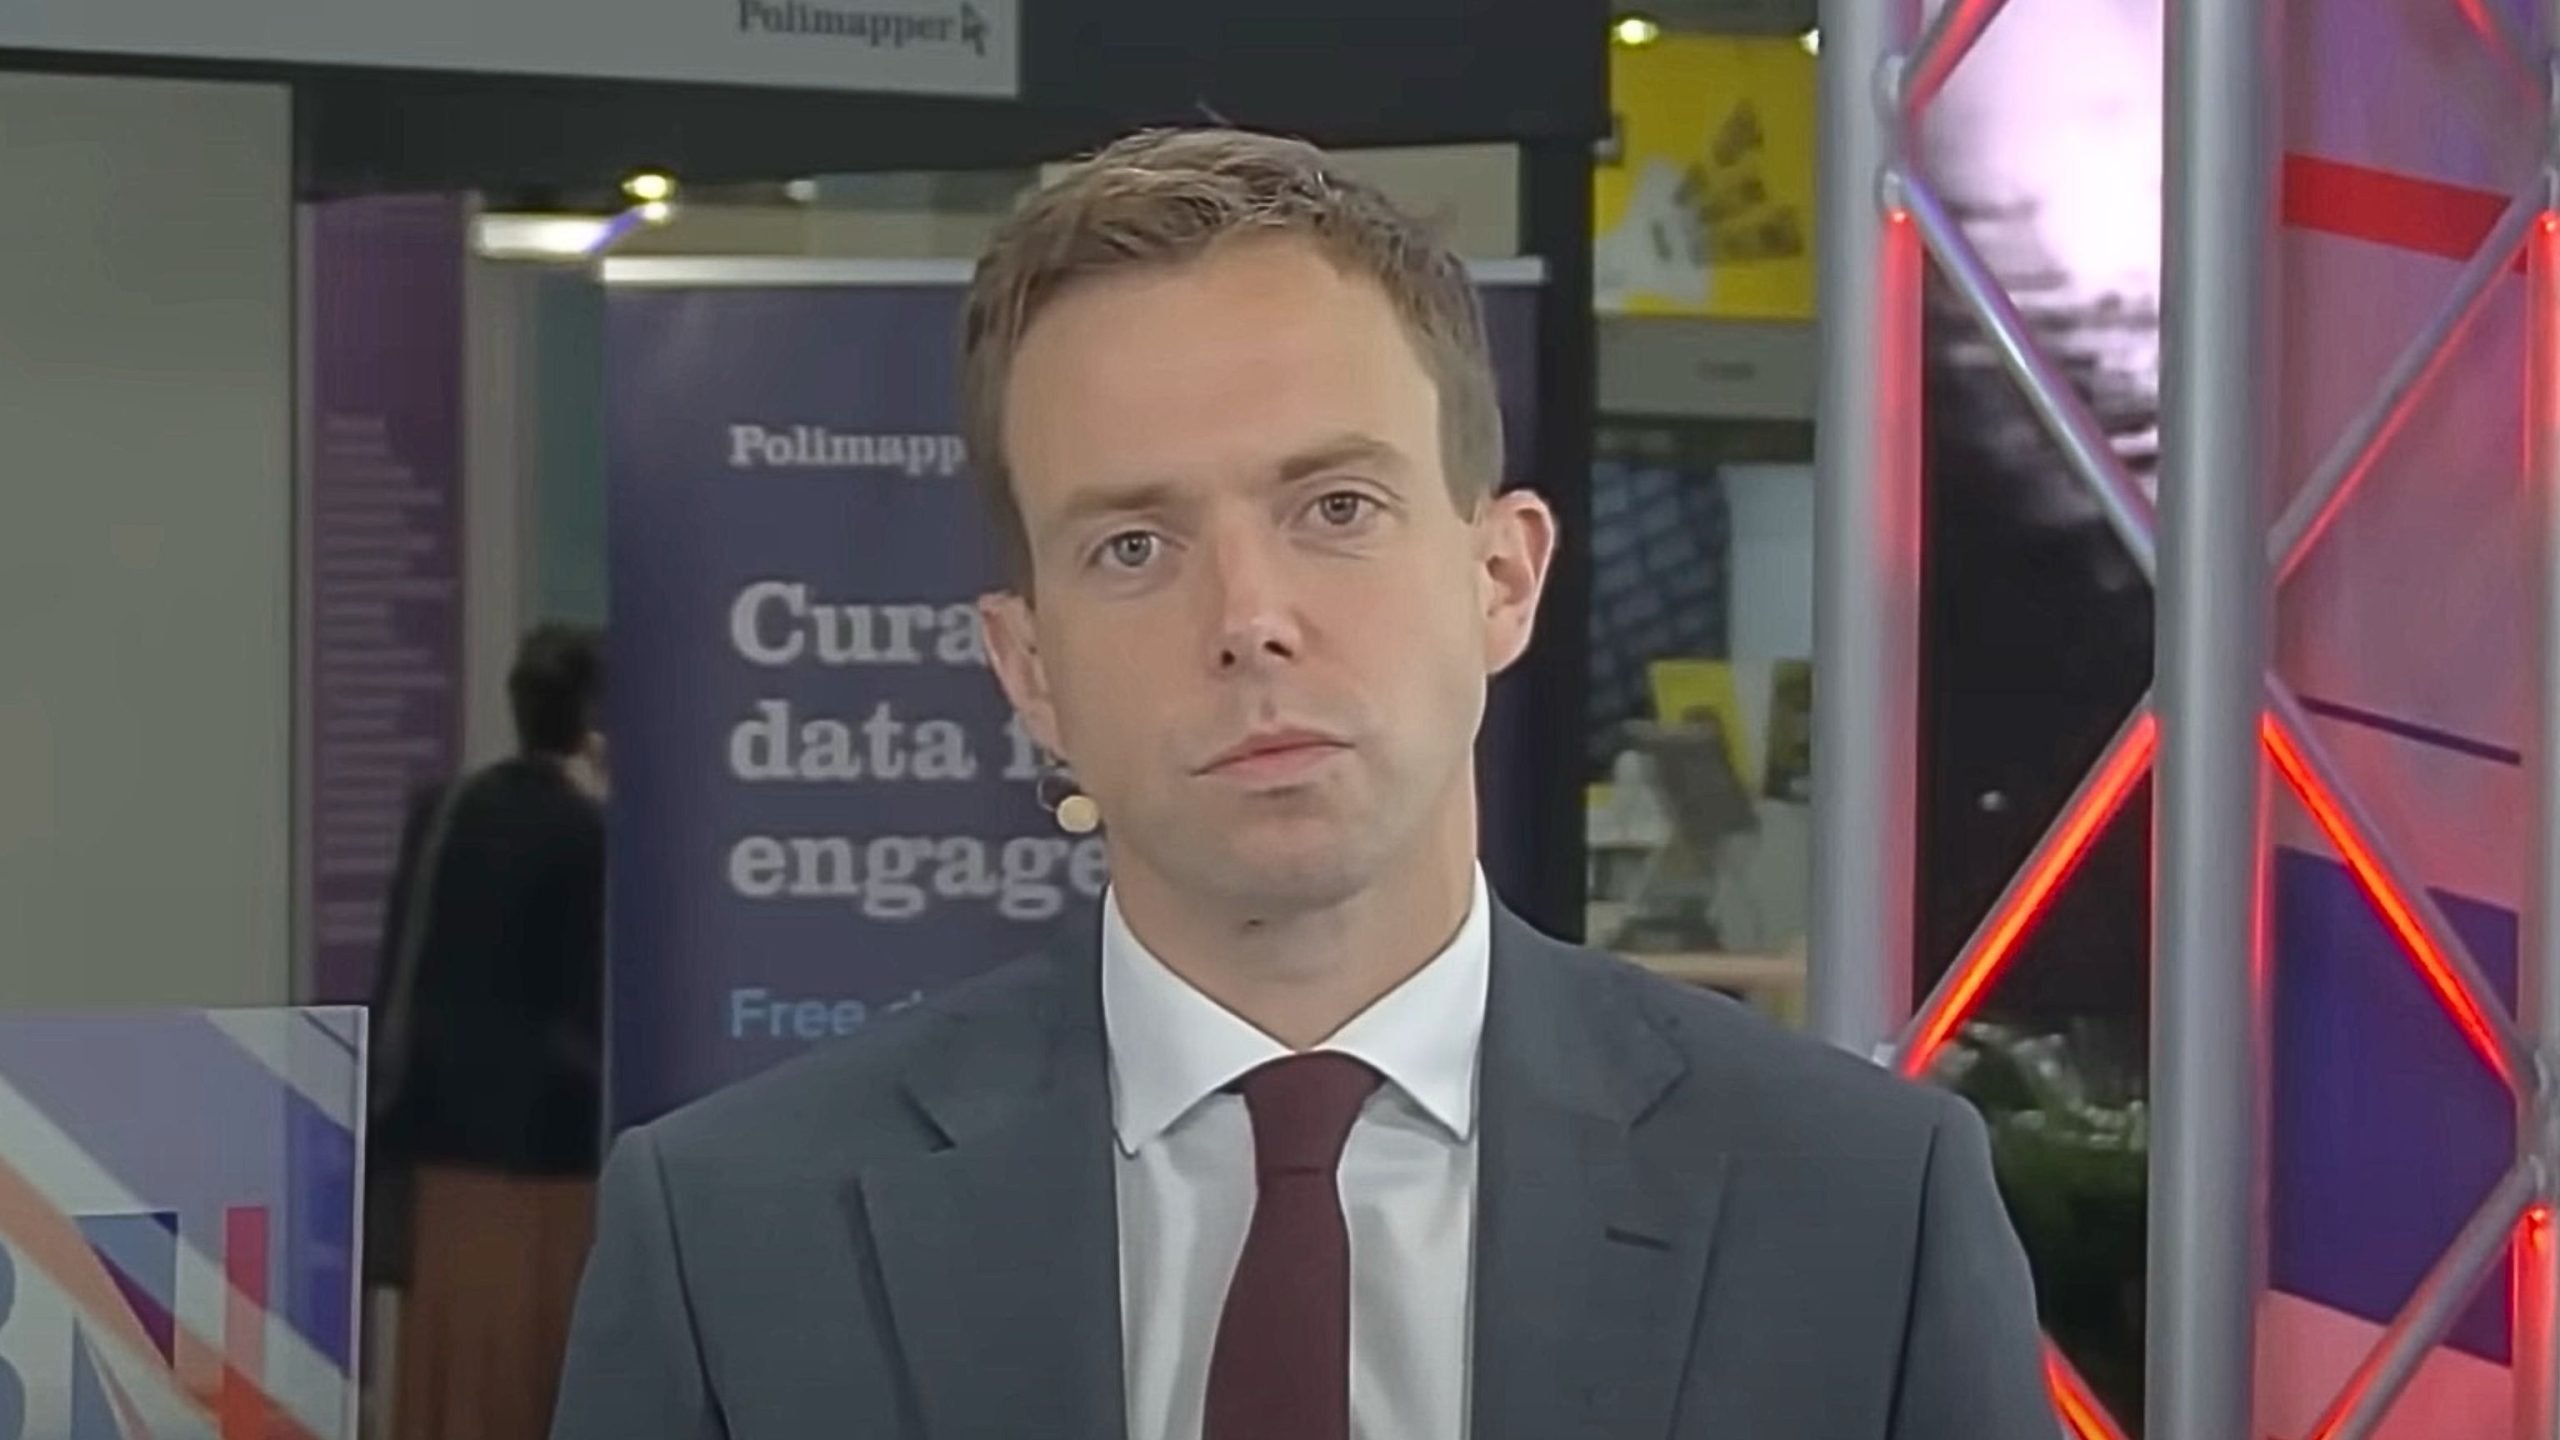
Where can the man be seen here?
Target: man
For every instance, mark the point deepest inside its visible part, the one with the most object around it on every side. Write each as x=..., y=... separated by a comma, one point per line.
x=487, y=1086
x=1316, y=1140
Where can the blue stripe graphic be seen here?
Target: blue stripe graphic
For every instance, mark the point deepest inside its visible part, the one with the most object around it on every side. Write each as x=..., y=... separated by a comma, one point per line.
x=2388, y=1129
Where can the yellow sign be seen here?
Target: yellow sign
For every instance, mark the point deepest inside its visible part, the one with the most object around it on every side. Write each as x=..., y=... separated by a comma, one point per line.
x=1705, y=205
x=1701, y=695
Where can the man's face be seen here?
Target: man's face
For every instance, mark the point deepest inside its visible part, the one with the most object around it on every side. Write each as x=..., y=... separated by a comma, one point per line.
x=1259, y=627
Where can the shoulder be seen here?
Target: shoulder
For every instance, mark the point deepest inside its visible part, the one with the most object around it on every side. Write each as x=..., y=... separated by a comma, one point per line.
x=843, y=1104
x=1771, y=1085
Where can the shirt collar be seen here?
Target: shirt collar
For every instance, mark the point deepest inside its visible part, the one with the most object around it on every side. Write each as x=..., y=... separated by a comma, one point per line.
x=1172, y=1047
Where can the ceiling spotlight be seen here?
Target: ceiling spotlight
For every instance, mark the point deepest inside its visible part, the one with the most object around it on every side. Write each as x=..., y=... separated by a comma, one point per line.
x=800, y=192
x=1634, y=31
x=650, y=187
x=656, y=212
x=1811, y=40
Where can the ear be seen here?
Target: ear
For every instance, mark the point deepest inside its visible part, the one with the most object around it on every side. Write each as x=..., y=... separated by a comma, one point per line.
x=1517, y=542
x=1013, y=650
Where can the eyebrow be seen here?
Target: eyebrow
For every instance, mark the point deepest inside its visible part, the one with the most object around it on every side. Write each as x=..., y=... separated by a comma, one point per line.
x=1336, y=452
x=1140, y=497
x=1132, y=498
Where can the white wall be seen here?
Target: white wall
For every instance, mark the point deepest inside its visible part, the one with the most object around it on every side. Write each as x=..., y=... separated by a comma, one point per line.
x=1470, y=192
x=500, y=460
x=146, y=536
x=1772, y=512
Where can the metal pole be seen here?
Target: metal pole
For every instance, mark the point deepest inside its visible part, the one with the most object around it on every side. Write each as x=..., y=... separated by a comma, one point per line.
x=2537, y=1311
x=1867, y=540
x=2474, y=1005
x=2208, y=1049
x=2066, y=416
x=2094, y=802
x=1550, y=685
x=2507, y=44
x=1952, y=34
x=2418, y=367
x=2365, y=1401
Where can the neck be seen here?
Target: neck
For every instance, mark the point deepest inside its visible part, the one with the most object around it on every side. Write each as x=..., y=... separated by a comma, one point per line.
x=580, y=768
x=1299, y=975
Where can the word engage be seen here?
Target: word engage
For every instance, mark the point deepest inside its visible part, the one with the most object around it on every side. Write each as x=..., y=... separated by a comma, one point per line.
x=899, y=877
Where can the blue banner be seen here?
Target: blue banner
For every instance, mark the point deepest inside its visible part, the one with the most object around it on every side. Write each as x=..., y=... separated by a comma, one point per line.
x=822, y=810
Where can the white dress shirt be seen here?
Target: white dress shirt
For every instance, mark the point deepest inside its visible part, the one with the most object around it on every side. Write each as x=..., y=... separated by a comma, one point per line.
x=1186, y=1185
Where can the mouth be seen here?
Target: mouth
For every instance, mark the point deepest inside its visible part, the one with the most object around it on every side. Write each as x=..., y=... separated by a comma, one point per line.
x=1275, y=756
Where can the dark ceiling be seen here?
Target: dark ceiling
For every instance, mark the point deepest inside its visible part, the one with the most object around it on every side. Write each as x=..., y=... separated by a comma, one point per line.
x=1731, y=17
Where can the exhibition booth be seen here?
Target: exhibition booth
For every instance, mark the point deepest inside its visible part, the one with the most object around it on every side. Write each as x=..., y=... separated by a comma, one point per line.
x=357, y=344
x=372, y=339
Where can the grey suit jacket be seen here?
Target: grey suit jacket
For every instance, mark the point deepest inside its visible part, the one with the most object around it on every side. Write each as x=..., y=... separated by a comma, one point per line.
x=1693, y=1224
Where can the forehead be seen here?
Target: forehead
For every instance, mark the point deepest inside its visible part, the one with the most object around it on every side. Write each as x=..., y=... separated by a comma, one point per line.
x=1219, y=366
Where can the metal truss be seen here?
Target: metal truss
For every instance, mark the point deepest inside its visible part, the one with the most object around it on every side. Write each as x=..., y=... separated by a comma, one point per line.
x=1878, y=208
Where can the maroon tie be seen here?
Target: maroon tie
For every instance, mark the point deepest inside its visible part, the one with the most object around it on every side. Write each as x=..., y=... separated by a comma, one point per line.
x=1282, y=1366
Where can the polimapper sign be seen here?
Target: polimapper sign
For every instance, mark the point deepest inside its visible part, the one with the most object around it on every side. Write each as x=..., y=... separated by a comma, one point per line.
x=945, y=47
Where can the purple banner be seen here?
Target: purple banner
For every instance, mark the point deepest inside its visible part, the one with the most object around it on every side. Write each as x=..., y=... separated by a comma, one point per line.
x=822, y=811
x=380, y=601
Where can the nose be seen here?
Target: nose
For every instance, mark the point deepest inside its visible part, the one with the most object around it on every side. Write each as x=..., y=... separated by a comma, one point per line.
x=1256, y=620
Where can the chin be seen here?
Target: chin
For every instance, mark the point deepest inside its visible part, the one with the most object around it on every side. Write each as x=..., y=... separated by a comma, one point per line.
x=1296, y=877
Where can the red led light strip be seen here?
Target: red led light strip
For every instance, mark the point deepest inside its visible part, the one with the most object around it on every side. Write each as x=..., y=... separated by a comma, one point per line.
x=2073, y=1401
x=2535, y=1303
x=2097, y=802
x=2102, y=796
x=2395, y=909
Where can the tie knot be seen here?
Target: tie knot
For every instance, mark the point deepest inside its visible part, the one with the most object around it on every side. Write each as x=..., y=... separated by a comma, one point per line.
x=1303, y=1108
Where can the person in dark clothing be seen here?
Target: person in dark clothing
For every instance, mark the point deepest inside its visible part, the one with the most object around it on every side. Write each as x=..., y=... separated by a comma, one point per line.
x=488, y=1062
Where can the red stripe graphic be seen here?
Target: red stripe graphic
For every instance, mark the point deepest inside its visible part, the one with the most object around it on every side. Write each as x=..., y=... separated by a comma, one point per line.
x=243, y=1405
x=2385, y=207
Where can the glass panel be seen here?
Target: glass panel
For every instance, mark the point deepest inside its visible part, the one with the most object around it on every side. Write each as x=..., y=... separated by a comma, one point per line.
x=1700, y=728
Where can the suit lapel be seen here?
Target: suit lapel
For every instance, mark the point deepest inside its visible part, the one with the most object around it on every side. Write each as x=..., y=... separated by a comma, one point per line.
x=1592, y=1235
x=999, y=1253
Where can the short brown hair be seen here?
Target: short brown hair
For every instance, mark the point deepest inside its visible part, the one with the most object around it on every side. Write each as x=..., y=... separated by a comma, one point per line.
x=1162, y=197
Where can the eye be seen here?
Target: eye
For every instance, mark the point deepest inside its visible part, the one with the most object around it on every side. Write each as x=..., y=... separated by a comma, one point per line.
x=1130, y=549
x=1342, y=509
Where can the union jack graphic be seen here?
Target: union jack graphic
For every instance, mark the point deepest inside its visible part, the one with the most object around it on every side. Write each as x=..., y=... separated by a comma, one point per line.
x=179, y=1222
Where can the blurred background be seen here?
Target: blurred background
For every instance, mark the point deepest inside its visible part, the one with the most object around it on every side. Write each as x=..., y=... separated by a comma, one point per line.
x=460, y=470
